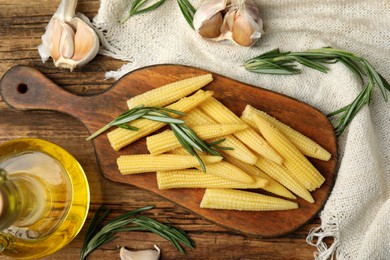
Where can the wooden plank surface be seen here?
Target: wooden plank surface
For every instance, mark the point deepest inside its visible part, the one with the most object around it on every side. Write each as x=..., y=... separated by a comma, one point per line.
x=25, y=88
x=21, y=26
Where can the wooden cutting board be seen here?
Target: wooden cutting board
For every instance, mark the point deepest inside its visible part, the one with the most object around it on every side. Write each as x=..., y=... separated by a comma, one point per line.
x=25, y=88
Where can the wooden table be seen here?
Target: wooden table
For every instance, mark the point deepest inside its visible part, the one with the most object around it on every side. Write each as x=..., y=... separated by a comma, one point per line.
x=21, y=25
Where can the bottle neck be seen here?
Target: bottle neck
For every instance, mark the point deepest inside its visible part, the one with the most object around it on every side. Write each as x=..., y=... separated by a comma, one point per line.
x=17, y=197
x=9, y=196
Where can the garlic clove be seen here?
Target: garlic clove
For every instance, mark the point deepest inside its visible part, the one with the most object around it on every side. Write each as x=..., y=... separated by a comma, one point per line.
x=242, y=31
x=149, y=254
x=53, y=40
x=211, y=27
x=86, y=42
x=66, y=46
x=208, y=18
x=69, y=40
x=228, y=22
x=248, y=25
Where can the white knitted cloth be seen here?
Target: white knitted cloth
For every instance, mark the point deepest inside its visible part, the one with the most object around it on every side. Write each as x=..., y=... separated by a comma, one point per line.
x=357, y=212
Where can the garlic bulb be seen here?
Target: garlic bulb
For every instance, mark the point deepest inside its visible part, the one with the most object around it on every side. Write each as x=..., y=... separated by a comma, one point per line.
x=149, y=254
x=236, y=20
x=69, y=40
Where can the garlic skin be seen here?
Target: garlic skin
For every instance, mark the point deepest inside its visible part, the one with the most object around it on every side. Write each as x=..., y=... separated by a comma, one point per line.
x=149, y=254
x=208, y=18
x=241, y=21
x=69, y=40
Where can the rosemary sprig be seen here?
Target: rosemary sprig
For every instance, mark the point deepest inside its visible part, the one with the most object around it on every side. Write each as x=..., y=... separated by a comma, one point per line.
x=173, y=234
x=188, y=11
x=185, y=135
x=191, y=142
x=285, y=63
x=136, y=8
x=98, y=233
x=147, y=112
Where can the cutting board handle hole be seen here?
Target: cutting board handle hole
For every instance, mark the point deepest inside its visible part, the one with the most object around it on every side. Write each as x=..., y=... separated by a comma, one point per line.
x=22, y=88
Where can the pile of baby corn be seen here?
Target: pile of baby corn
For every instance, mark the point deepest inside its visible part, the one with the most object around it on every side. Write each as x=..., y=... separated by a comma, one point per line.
x=266, y=154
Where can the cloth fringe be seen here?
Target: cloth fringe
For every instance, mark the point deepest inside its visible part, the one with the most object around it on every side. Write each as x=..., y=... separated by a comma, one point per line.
x=108, y=49
x=117, y=74
x=316, y=237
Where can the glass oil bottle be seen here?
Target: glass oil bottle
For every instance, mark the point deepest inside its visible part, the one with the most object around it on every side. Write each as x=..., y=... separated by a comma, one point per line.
x=44, y=198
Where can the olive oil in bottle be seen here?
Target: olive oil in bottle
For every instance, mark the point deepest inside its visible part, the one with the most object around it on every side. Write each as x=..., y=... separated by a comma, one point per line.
x=44, y=199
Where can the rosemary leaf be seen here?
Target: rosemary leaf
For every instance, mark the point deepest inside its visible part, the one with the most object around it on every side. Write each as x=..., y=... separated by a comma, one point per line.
x=92, y=229
x=201, y=163
x=148, y=8
x=128, y=127
x=216, y=145
x=188, y=11
x=284, y=63
x=352, y=109
x=129, y=118
x=185, y=145
x=386, y=84
x=190, y=149
x=172, y=234
x=354, y=67
x=99, y=132
x=311, y=64
x=168, y=120
x=187, y=137
x=129, y=112
x=182, y=135
x=95, y=223
x=152, y=228
x=131, y=213
x=168, y=110
x=136, y=8
x=375, y=78
x=217, y=142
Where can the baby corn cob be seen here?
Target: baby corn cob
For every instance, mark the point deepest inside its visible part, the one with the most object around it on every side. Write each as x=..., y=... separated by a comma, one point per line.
x=228, y=171
x=306, y=145
x=249, y=137
x=120, y=137
x=197, y=117
x=293, y=159
x=222, y=169
x=166, y=141
x=140, y=163
x=170, y=93
x=283, y=176
x=243, y=200
x=273, y=186
x=199, y=179
x=240, y=151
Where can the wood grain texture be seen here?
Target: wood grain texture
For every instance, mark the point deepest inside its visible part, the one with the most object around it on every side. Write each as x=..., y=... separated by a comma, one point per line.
x=21, y=26
x=25, y=88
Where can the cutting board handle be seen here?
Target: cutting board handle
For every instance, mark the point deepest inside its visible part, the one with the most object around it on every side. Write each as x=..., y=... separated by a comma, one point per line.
x=26, y=88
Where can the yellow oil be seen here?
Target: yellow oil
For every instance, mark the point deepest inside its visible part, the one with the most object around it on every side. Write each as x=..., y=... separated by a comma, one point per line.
x=55, y=196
